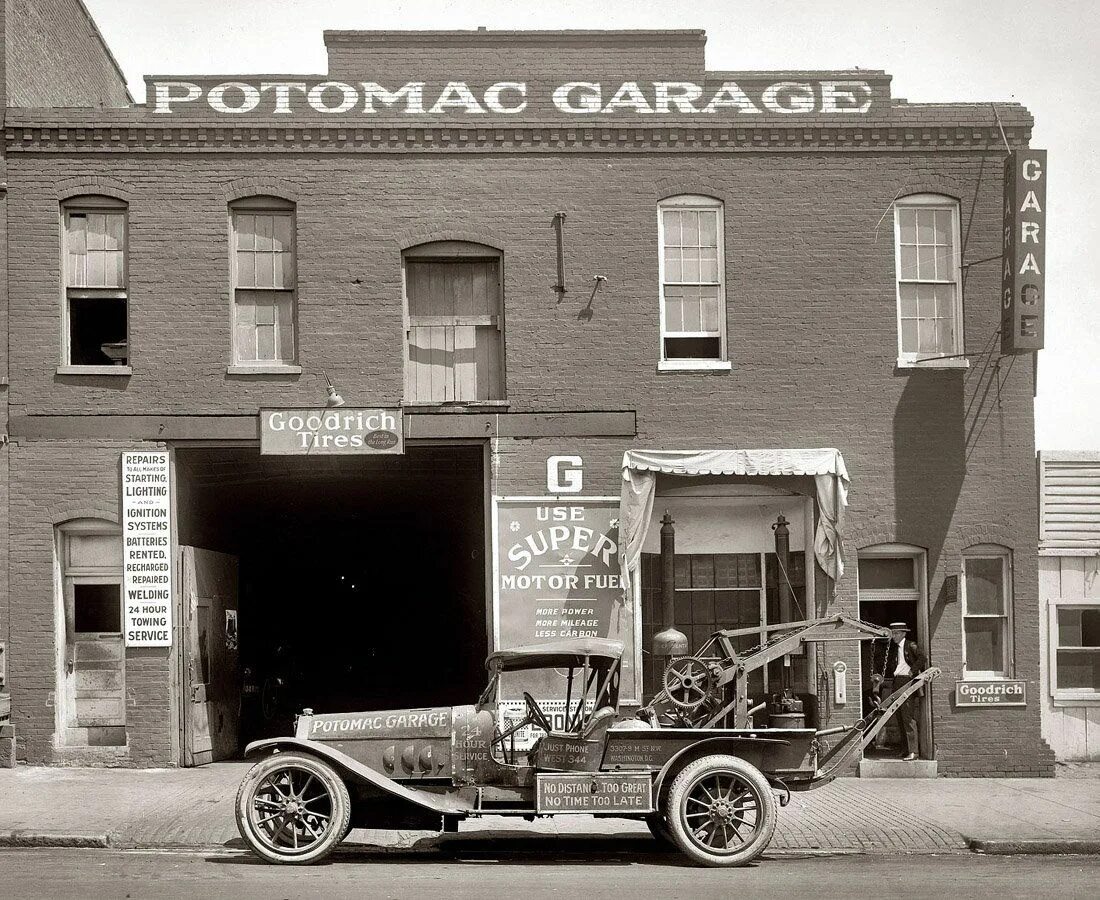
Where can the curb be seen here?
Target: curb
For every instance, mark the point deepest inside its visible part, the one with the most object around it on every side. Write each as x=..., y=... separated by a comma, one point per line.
x=26, y=837
x=1035, y=847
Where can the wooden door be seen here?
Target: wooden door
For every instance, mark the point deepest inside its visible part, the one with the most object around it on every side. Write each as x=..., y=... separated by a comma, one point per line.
x=95, y=663
x=211, y=666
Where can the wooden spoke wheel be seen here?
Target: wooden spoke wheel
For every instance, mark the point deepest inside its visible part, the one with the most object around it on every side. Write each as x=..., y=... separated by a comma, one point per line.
x=293, y=808
x=721, y=811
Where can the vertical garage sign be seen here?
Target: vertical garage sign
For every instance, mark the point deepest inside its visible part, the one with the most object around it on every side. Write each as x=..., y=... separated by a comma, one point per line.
x=146, y=549
x=1023, y=260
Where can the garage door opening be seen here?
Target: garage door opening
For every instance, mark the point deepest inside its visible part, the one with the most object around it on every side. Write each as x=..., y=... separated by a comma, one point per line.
x=360, y=583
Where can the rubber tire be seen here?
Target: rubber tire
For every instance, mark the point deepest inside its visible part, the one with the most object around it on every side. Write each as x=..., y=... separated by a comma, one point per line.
x=658, y=827
x=341, y=807
x=676, y=800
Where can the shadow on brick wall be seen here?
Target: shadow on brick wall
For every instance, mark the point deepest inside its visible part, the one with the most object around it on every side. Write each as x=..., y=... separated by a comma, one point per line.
x=929, y=458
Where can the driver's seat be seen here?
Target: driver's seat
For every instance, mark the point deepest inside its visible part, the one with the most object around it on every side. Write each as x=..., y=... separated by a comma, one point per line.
x=601, y=720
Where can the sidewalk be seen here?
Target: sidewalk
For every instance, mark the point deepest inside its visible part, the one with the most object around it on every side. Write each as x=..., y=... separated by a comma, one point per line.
x=194, y=808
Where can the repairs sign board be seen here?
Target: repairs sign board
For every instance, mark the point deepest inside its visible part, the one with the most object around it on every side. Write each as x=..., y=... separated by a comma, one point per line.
x=146, y=549
x=990, y=693
x=1023, y=254
x=339, y=431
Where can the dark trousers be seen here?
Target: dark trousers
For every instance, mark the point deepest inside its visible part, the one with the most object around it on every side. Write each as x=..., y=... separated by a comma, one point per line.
x=907, y=716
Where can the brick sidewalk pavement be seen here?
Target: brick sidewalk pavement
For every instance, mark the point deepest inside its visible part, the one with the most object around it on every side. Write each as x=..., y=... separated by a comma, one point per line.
x=194, y=807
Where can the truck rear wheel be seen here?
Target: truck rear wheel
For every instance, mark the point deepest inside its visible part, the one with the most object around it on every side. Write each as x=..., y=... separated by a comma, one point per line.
x=721, y=811
x=293, y=808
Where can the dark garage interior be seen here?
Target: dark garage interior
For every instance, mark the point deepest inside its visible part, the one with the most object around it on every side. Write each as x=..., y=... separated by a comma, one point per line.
x=362, y=578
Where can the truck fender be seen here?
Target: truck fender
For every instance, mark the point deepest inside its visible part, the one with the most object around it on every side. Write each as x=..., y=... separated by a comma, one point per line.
x=717, y=744
x=355, y=771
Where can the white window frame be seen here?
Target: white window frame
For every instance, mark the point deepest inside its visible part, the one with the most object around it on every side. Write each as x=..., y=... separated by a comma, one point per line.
x=273, y=206
x=1008, y=662
x=721, y=362
x=1054, y=646
x=86, y=205
x=954, y=357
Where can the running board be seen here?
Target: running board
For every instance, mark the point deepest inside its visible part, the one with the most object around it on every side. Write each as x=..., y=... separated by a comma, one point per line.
x=863, y=733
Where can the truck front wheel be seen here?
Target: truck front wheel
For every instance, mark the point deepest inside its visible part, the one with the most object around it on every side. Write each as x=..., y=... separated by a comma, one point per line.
x=721, y=811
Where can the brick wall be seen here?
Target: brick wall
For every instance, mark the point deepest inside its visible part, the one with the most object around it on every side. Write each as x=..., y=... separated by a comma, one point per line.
x=55, y=482
x=55, y=56
x=940, y=459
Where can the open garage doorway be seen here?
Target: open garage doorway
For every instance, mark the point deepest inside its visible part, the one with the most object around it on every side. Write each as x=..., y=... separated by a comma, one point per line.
x=360, y=582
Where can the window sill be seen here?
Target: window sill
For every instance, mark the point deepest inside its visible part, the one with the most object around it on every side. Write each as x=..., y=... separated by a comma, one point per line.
x=95, y=370
x=266, y=369
x=961, y=363
x=1068, y=699
x=694, y=365
x=454, y=404
x=987, y=676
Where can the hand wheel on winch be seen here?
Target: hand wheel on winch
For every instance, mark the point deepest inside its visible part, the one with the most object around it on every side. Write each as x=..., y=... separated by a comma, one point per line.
x=688, y=682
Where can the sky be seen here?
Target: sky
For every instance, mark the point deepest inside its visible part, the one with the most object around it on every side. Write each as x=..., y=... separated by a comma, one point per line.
x=1041, y=53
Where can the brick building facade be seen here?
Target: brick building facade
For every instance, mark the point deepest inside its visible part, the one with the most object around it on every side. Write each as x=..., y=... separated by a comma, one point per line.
x=787, y=201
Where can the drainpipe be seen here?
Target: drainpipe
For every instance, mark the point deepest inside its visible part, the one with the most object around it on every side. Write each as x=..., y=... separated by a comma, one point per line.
x=669, y=641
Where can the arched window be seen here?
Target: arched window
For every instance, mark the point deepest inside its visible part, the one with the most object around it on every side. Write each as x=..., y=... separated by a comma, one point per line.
x=265, y=286
x=929, y=279
x=454, y=299
x=95, y=326
x=692, y=282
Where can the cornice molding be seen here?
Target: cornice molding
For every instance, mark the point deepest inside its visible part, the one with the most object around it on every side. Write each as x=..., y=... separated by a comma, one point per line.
x=491, y=139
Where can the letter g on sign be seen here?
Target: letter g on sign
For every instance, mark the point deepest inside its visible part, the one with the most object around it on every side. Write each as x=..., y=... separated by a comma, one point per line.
x=564, y=474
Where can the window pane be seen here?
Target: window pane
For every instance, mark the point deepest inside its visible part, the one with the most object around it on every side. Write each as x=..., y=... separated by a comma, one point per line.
x=691, y=264
x=945, y=336
x=690, y=220
x=943, y=234
x=693, y=319
x=246, y=269
x=984, y=647
x=925, y=230
x=907, y=223
x=97, y=607
x=672, y=228
x=984, y=586
x=285, y=326
x=1078, y=670
x=1078, y=627
x=674, y=270
x=97, y=231
x=710, y=309
x=264, y=270
x=674, y=308
x=909, y=335
x=908, y=262
x=281, y=236
x=907, y=295
x=692, y=348
x=94, y=323
x=708, y=265
x=98, y=550
x=246, y=232
x=927, y=336
x=926, y=262
x=263, y=232
x=884, y=573
x=113, y=229
x=708, y=228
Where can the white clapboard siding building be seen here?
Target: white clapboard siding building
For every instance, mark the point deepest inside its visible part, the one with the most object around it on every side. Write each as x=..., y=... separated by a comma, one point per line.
x=1069, y=601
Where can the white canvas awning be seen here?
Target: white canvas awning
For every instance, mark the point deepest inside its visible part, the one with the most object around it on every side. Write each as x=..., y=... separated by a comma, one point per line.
x=640, y=468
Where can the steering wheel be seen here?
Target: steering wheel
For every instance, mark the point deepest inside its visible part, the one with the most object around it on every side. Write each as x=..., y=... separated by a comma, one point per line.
x=535, y=714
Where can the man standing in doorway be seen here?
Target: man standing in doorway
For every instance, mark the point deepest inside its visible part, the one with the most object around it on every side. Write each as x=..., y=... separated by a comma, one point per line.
x=904, y=661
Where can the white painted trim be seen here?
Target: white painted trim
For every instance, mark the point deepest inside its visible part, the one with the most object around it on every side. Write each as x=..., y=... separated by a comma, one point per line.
x=692, y=201
x=263, y=369
x=932, y=201
x=94, y=370
x=905, y=362
x=694, y=365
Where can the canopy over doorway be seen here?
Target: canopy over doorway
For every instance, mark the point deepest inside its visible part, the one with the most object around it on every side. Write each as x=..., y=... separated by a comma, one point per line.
x=639, y=487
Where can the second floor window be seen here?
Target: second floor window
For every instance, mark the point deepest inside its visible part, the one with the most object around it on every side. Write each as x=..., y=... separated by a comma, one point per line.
x=693, y=293
x=264, y=282
x=454, y=324
x=929, y=280
x=95, y=319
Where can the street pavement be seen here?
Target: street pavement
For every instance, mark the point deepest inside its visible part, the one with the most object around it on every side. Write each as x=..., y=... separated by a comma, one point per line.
x=148, y=808
x=539, y=871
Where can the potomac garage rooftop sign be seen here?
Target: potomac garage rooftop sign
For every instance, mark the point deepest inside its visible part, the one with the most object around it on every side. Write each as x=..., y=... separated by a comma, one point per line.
x=786, y=95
